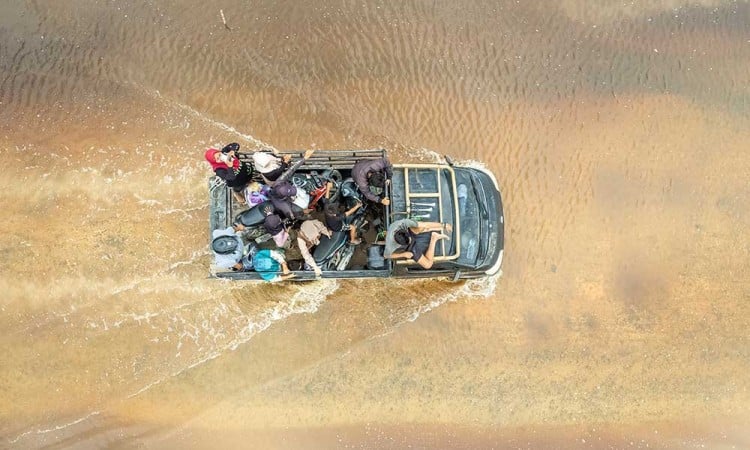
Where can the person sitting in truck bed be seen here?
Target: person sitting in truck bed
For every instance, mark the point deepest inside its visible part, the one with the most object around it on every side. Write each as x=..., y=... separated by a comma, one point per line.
x=282, y=193
x=256, y=193
x=308, y=237
x=228, y=166
x=337, y=220
x=270, y=165
x=370, y=176
x=229, y=250
x=417, y=243
x=274, y=225
x=268, y=262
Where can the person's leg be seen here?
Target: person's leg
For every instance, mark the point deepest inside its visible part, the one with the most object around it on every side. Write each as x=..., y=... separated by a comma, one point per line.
x=238, y=196
x=430, y=226
x=353, y=235
x=433, y=226
x=427, y=259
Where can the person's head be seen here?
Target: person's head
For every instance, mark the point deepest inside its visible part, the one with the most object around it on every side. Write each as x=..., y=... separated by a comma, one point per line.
x=376, y=182
x=285, y=190
x=376, y=179
x=402, y=238
x=233, y=147
x=332, y=209
x=254, y=187
x=213, y=156
x=273, y=224
x=224, y=245
x=227, y=154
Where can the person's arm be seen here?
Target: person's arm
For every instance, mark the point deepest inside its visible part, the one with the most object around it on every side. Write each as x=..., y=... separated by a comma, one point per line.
x=329, y=185
x=423, y=227
x=293, y=168
x=225, y=174
x=279, y=258
x=386, y=167
x=321, y=228
x=307, y=256
x=353, y=209
x=397, y=255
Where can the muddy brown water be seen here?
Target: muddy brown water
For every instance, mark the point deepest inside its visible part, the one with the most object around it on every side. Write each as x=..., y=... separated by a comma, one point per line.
x=619, y=135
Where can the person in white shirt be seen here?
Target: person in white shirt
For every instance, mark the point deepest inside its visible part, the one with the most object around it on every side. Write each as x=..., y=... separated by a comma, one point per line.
x=229, y=249
x=270, y=165
x=308, y=237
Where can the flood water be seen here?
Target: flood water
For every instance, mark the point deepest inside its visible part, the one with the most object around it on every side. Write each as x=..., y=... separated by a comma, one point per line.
x=618, y=132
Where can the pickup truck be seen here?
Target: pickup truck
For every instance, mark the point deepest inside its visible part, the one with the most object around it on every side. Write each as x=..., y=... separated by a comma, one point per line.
x=467, y=198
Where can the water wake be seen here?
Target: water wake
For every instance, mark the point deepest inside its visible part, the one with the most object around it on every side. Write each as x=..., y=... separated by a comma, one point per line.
x=155, y=94
x=55, y=428
x=307, y=298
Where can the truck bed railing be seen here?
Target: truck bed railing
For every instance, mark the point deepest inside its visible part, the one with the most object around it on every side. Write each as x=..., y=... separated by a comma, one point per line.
x=324, y=159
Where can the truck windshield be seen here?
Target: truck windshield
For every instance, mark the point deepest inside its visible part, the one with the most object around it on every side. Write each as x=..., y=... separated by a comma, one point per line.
x=472, y=216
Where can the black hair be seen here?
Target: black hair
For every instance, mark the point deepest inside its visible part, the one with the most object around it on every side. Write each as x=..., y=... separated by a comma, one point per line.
x=273, y=224
x=402, y=237
x=377, y=179
x=332, y=209
x=231, y=147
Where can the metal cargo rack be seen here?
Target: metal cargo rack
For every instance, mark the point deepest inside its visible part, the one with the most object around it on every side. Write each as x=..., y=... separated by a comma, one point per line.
x=325, y=159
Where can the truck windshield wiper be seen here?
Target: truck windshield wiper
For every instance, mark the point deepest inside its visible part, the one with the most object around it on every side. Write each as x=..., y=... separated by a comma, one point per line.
x=477, y=196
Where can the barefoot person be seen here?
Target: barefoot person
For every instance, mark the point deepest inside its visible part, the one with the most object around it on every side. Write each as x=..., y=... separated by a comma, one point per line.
x=340, y=221
x=417, y=243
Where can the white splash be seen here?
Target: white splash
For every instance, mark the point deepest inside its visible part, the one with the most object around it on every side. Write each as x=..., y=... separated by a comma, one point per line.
x=157, y=95
x=307, y=299
x=55, y=428
x=480, y=287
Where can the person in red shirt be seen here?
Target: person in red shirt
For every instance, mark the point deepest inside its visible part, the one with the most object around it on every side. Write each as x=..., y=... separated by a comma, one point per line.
x=228, y=166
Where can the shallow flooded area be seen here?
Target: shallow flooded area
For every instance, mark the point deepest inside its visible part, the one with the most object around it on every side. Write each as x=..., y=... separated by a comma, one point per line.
x=619, y=136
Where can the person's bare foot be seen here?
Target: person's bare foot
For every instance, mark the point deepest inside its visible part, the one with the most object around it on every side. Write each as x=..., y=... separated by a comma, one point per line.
x=438, y=236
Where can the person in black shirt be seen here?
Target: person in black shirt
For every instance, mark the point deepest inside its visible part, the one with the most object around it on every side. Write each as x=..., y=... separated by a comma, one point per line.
x=227, y=166
x=418, y=243
x=340, y=221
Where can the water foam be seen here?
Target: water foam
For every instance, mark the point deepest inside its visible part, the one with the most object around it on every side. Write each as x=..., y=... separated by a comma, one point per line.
x=155, y=94
x=477, y=288
x=55, y=428
x=307, y=299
